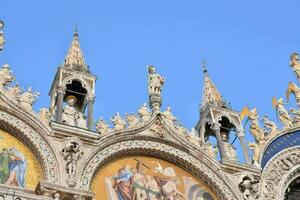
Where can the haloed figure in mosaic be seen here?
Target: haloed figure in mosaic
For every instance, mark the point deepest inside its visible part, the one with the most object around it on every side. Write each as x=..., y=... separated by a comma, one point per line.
x=12, y=167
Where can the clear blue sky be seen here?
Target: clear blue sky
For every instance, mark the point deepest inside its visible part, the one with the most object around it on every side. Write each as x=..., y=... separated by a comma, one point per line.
x=247, y=46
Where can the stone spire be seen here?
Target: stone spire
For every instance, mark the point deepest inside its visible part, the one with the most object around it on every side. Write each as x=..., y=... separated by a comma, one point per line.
x=74, y=58
x=210, y=94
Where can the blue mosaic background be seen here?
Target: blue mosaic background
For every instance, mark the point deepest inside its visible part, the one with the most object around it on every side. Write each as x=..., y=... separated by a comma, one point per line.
x=285, y=141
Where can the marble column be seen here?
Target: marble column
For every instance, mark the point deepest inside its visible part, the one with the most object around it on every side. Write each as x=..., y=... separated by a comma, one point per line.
x=59, y=104
x=241, y=137
x=91, y=101
x=217, y=128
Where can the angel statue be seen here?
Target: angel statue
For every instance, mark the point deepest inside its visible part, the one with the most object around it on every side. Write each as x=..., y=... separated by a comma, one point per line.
x=155, y=81
x=255, y=129
x=269, y=126
x=294, y=63
x=282, y=113
x=293, y=89
x=2, y=41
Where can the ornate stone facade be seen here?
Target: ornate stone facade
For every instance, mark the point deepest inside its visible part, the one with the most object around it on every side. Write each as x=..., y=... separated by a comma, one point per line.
x=70, y=154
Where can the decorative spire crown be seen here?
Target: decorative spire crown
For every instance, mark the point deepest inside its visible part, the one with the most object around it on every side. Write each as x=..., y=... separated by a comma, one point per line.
x=74, y=58
x=210, y=94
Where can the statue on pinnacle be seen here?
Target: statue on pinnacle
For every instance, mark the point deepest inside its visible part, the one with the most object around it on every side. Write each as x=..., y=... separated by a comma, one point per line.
x=155, y=83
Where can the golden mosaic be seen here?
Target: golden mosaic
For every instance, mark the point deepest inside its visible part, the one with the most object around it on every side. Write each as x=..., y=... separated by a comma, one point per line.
x=147, y=178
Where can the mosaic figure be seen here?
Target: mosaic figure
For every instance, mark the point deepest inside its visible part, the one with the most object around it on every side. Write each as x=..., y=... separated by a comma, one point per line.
x=12, y=167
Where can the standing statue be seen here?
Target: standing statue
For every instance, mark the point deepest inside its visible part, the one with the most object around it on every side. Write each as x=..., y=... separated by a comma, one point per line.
x=294, y=63
x=71, y=116
x=72, y=153
x=144, y=113
x=270, y=126
x=230, y=151
x=282, y=113
x=132, y=120
x=2, y=41
x=102, y=127
x=155, y=81
x=169, y=116
x=28, y=98
x=255, y=129
x=6, y=76
x=293, y=89
x=256, y=148
x=118, y=122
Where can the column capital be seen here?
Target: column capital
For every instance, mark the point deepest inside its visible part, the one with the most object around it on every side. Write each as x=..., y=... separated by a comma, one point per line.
x=240, y=133
x=91, y=98
x=216, y=126
x=61, y=88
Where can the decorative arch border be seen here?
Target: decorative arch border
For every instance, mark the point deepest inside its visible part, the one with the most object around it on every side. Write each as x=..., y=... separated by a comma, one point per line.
x=26, y=134
x=278, y=173
x=235, y=122
x=218, y=182
x=85, y=84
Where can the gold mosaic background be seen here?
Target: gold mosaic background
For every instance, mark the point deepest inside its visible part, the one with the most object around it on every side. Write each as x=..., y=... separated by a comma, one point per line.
x=33, y=171
x=110, y=170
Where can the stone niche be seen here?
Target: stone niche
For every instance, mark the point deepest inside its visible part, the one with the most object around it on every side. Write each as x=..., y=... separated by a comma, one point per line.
x=144, y=177
x=18, y=165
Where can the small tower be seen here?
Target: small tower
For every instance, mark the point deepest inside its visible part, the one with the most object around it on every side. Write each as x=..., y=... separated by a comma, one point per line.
x=73, y=89
x=217, y=119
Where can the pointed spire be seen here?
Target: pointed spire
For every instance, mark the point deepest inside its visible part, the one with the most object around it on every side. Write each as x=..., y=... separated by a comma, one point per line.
x=210, y=94
x=74, y=58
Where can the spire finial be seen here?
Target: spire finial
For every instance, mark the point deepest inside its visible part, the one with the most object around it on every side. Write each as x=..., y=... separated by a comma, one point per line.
x=76, y=30
x=204, y=66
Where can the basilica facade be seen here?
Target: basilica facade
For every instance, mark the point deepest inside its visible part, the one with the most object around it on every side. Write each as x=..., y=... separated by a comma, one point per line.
x=63, y=153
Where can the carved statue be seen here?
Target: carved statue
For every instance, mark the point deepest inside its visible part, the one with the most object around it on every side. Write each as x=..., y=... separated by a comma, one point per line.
x=72, y=153
x=169, y=116
x=255, y=129
x=144, y=113
x=293, y=89
x=118, y=122
x=102, y=127
x=155, y=81
x=2, y=41
x=132, y=120
x=270, y=126
x=282, y=113
x=296, y=117
x=249, y=188
x=71, y=116
x=230, y=151
x=256, y=148
x=28, y=98
x=294, y=63
x=6, y=76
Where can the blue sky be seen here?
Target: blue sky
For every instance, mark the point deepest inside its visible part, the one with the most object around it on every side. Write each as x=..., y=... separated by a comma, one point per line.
x=247, y=46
